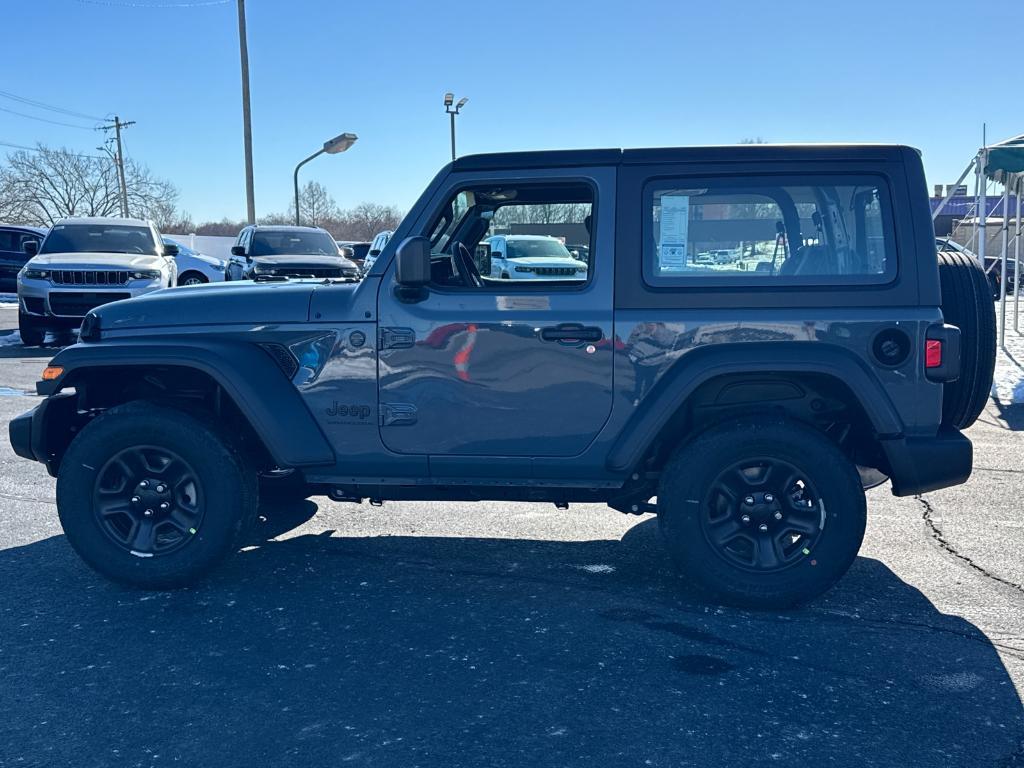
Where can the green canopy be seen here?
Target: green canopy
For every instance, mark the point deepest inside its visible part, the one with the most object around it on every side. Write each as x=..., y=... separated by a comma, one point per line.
x=1006, y=160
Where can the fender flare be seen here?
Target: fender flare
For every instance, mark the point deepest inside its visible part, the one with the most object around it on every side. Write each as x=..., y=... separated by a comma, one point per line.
x=702, y=365
x=248, y=375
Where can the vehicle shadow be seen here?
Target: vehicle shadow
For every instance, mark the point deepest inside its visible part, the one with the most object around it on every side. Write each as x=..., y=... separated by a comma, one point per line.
x=322, y=649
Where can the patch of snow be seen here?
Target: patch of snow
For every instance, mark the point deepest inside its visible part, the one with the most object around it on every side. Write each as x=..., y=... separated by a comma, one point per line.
x=8, y=392
x=8, y=300
x=958, y=681
x=1008, y=381
x=596, y=568
x=10, y=339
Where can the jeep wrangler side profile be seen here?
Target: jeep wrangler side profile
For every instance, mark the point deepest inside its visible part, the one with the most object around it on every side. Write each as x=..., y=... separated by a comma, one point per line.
x=747, y=400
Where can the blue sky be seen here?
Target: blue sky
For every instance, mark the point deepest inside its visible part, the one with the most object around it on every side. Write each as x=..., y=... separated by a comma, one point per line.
x=538, y=75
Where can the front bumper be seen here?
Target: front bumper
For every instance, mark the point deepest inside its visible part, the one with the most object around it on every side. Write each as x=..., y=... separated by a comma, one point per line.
x=32, y=433
x=66, y=305
x=922, y=464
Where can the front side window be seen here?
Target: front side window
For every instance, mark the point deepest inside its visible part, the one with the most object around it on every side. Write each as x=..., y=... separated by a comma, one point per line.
x=99, y=238
x=509, y=237
x=771, y=230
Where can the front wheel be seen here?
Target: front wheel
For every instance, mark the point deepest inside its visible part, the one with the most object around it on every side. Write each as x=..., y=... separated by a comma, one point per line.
x=154, y=497
x=32, y=334
x=762, y=512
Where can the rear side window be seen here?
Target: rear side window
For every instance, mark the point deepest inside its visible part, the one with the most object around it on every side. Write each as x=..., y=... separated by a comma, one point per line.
x=768, y=230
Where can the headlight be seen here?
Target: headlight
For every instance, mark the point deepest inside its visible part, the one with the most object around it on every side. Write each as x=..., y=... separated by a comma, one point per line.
x=146, y=274
x=524, y=269
x=35, y=274
x=258, y=270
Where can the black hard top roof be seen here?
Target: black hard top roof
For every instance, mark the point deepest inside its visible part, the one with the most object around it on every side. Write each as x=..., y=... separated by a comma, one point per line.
x=708, y=154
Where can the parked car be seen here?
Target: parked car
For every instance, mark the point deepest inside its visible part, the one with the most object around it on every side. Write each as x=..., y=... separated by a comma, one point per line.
x=533, y=257
x=83, y=263
x=358, y=251
x=581, y=252
x=12, y=252
x=993, y=266
x=195, y=268
x=379, y=241
x=747, y=408
x=280, y=251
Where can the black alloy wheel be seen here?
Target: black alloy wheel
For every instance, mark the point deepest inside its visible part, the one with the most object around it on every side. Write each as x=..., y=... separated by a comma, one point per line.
x=762, y=515
x=148, y=501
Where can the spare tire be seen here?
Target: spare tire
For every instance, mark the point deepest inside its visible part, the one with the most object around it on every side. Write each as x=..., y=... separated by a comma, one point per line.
x=967, y=304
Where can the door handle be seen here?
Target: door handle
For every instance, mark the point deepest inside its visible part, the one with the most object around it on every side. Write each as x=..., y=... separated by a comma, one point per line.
x=571, y=332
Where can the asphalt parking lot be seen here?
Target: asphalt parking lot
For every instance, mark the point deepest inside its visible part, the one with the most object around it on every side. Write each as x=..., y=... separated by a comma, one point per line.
x=513, y=634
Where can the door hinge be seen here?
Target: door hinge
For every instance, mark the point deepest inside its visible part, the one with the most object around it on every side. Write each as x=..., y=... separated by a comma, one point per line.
x=396, y=338
x=397, y=414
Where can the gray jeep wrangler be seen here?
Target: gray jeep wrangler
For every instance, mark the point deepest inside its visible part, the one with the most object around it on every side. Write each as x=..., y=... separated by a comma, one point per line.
x=758, y=334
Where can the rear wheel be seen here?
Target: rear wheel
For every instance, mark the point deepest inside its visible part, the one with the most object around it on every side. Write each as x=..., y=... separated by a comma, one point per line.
x=762, y=512
x=967, y=304
x=31, y=332
x=154, y=497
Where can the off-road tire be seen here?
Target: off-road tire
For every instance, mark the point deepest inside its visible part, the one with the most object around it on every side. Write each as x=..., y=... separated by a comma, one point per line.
x=229, y=493
x=683, y=511
x=967, y=304
x=31, y=333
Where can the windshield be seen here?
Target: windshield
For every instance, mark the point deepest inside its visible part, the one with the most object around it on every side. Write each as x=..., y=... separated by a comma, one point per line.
x=534, y=249
x=99, y=238
x=295, y=243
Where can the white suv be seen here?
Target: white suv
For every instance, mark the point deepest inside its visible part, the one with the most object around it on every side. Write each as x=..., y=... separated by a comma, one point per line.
x=533, y=257
x=379, y=241
x=83, y=263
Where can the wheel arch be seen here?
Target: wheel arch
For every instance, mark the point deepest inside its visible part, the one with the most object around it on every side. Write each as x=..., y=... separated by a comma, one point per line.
x=224, y=377
x=709, y=386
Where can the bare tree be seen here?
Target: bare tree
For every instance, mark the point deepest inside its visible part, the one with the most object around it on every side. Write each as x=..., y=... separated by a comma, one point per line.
x=48, y=184
x=366, y=220
x=316, y=205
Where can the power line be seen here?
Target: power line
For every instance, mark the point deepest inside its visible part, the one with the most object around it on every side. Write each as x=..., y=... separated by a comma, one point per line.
x=45, y=120
x=37, y=149
x=44, y=105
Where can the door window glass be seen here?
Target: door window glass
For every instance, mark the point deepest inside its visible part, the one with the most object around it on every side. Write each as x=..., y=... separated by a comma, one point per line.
x=514, y=237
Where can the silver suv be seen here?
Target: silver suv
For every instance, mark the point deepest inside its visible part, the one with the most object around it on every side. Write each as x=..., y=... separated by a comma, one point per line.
x=83, y=263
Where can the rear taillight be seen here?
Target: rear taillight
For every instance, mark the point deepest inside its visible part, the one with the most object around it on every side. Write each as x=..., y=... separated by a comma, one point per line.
x=942, y=353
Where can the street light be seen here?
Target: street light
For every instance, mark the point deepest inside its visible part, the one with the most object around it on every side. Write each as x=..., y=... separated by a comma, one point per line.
x=333, y=146
x=449, y=98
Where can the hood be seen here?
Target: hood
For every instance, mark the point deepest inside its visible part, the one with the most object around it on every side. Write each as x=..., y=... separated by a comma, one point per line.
x=548, y=261
x=312, y=260
x=97, y=261
x=214, y=304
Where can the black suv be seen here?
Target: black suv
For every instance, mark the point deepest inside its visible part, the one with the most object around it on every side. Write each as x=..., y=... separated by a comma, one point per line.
x=281, y=251
x=747, y=402
x=12, y=252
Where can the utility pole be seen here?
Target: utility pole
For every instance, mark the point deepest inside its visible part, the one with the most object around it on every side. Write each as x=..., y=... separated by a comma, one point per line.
x=243, y=47
x=117, y=125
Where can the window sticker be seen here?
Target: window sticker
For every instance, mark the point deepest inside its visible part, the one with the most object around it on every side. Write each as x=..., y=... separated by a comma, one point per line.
x=675, y=222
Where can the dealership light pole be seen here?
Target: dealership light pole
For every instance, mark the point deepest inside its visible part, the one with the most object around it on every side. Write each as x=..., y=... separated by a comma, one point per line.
x=331, y=147
x=449, y=98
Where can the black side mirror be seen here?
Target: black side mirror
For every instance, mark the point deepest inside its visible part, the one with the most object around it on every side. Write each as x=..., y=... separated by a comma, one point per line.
x=170, y=249
x=374, y=252
x=31, y=247
x=238, y=250
x=412, y=262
